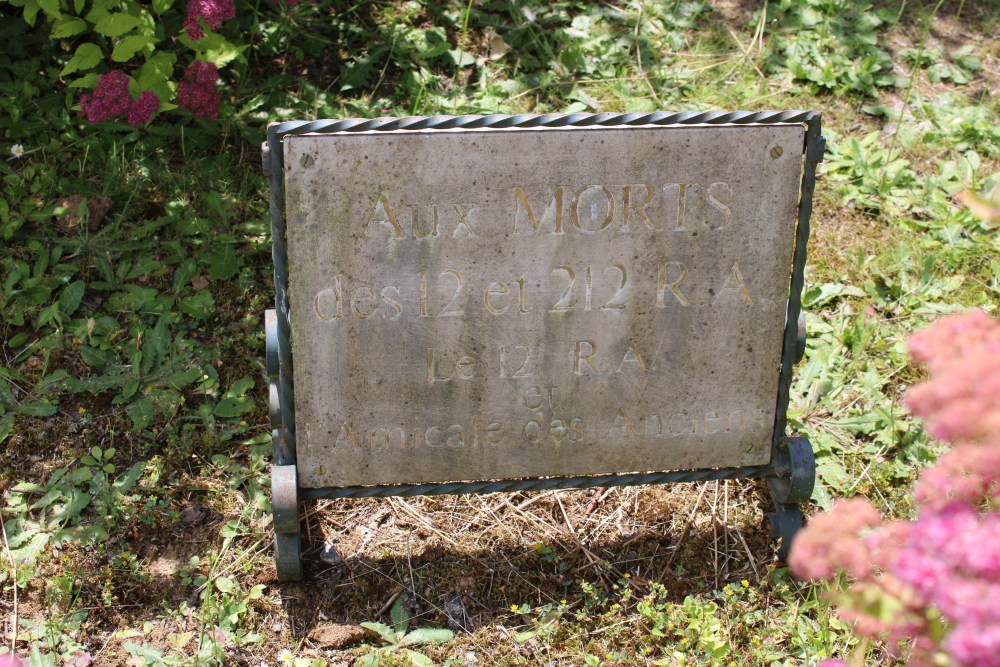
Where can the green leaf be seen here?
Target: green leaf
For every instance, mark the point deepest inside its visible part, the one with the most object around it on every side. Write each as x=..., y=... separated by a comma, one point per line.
x=417, y=658
x=218, y=50
x=232, y=407
x=141, y=412
x=38, y=409
x=400, y=618
x=187, y=269
x=427, y=636
x=383, y=630
x=160, y=6
x=69, y=299
x=128, y=46
x=225, y=264
x=51, y=8
x=6, y=426
x=522, y=637
x=199, y=305
x=86, y=57
x=86, y=81
x=68, y=27
x=116, y=25
x=159, y=68
x=225, y=584
x=30, y=12
x=461, y=58
x=369, y=660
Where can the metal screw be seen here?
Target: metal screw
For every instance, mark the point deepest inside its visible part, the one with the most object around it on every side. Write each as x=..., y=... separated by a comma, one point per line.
x=777, y=151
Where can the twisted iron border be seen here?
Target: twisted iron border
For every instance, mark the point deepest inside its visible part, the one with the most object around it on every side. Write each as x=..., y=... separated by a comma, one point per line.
x=273, y=162
x=535, y=484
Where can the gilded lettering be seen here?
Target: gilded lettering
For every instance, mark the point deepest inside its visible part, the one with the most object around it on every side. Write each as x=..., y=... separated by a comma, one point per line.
x=384, y=215
x=566, y=301
x=337, y=292
x=346, y=432
x=390, y=303
x=712, y=423
x=359, y=298
x=729, y=420
x=533, y=398
x=590, y=198
x=465, y=368
x=670, y=423
x=423, y=294
x=735, y=282
x=532, y=431
x=494, y=433
x=433, y=441
x=454, y=436
x=629, y=207
x=522, y=198
x=584, y=358
x=679, y=192
x=523, y=370
x=619, y=293
x=632, y=356
x=647, y=422
x=520, y=296
x=435, y=221
x=495, y=290
x=446, y=311
x=715, y=191
x=622, y=424
x=432, y=374
x=463, y=221
x=662, y=285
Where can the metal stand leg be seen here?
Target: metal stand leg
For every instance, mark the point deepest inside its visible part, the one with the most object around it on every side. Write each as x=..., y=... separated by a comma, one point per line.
x=284, y=480
x=285, y=505
x=795, y=476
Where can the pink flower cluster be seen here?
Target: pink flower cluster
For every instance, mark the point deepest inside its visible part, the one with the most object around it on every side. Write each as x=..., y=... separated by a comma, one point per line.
x=942, y=571
x=211, y=12
x=197, y=91
x=111, y=99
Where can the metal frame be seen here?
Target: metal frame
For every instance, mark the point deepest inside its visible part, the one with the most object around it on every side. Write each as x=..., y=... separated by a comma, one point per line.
x=791, y=473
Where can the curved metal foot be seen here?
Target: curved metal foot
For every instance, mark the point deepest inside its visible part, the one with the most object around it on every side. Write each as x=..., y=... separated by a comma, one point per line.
x=285, y=506
x=785, y=521
x=792, y=483
x=288, y=556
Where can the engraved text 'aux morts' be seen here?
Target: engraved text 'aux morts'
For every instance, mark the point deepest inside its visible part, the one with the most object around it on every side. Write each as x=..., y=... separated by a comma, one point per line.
x=476, y=305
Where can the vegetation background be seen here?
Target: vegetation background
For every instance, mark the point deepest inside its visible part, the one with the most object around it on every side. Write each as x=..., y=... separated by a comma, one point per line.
x=135, y=269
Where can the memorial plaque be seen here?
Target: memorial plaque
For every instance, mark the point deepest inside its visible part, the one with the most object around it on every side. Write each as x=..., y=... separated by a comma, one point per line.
x=471, y=305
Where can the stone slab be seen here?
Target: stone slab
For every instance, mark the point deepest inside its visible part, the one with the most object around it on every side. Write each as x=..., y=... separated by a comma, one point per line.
x=490, y=304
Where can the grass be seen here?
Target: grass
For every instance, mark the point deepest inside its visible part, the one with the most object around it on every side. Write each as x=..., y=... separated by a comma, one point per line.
x=132, y=401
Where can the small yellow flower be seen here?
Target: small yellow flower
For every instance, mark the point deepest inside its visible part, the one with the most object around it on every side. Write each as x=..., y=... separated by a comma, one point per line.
x=81, y=409
x=513, y=608
x=628, y=576
x=746, y=584
x=615, y=606
x=562, y=602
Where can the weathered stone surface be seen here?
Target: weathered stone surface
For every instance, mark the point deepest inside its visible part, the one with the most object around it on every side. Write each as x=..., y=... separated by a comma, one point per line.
x=475, y=305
